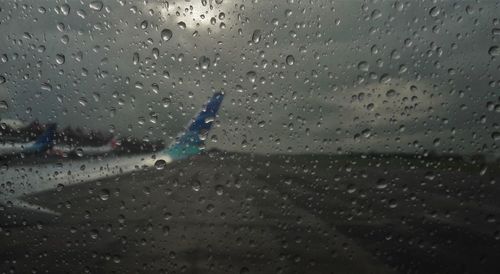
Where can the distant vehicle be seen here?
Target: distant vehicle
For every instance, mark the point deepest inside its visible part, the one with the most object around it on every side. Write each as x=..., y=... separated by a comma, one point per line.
x=188, y=144
x=40, y=145
x=69, y=150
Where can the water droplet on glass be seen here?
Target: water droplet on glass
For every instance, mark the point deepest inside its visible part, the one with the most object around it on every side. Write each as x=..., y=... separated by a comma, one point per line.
x=60, y=59
x=290, y=60
x=252, y=76
x=135, y=58
x=181, y=25
x=363, y=66
x=219, y=189
x=60, y=187
x=81, y=13
x=204, y=62
x=166, y=35
x=256, y=36
x=65, y=9
x=494, y=51
x=94, y=234
x=46, y=86
x=381, y=183
x=96, y=5
x=156, y=53
x=160, y=164
x=79, y=152
x=3, y=106
x=166, y=102
x=196, y=185
x=434, y=11
x=393, y=203
x=104, y=194
x=496, y=136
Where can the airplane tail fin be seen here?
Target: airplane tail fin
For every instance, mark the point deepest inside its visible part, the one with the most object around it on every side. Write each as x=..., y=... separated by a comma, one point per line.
x=46, y=140
x=191, y=141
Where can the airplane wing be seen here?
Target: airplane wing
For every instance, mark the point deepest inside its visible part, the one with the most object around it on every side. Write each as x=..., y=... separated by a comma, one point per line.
x=13, y=148
x=44, y=141
x=41, y=144
x=188, y=144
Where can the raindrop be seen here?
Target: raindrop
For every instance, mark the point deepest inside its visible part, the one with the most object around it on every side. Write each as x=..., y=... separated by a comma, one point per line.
x=393, y=203
x=204, y=62
x=2, y=79
x=3, y=105
x=256, y=36
x=46, y=86
x=390, y=93
x=83, y=102
x=196, y=185
x=166, y=230
x=363, y=66
x=381, y=183
x=81, y=13
x=156, y=53
x=65, y=9
x=494, y=51
x=135, y=58
x=376, y=14
x=290, y=60
x=166, y=102
x=96, y=5
x=79, y=152
x=181, y=25
x=94, y=234
x=166, y=35
x=496, y=136
x=104, y=194
x=252, y=76
x=160, y=164
x=219, y=189
x=60, y=187
x=434, y=11
x=60, y=59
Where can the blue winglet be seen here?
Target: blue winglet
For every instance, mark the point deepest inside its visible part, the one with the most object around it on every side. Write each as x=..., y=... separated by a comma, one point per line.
x=191, y=141
x=46, y=140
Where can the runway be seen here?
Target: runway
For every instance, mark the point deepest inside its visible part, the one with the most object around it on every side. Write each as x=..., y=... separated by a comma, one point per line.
x=242, y=213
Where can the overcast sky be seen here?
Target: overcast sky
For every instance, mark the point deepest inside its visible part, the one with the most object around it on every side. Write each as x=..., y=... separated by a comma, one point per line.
x=329, y=76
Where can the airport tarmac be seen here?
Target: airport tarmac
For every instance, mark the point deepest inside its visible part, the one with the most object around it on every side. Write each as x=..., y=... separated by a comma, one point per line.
x=239, y=213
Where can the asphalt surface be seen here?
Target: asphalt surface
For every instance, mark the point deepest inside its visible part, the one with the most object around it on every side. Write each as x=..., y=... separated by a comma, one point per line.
x=234, y=213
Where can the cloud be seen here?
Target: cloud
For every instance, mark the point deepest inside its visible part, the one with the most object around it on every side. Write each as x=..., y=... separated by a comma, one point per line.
x=120, y=75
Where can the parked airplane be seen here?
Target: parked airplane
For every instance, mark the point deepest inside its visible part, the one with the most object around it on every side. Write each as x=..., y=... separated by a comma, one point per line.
x=29, y=180
x=40, y=145
x=68, y=150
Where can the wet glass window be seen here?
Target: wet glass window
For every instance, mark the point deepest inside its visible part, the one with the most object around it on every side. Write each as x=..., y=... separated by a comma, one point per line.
x=249, y=136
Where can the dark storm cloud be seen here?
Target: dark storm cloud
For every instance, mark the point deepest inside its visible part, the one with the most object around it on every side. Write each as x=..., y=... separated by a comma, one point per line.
x=334, y=97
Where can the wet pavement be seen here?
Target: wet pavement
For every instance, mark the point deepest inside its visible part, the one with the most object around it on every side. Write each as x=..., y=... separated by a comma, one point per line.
x=237, y=213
